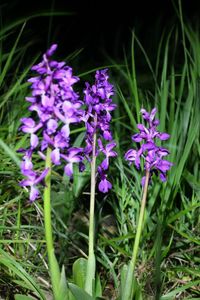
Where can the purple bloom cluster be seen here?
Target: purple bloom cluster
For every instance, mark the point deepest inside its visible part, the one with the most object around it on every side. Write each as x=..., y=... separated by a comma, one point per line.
x=56, y=106
x=97, y=119
x=149, y=151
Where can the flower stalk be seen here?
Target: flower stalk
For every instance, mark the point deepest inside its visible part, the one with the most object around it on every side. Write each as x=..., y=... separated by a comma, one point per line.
x=47, y=204
x=91, y=264
x=127, y=291
x=140, y=220
x=97, y=118
x=48, y=224
x=152, y=154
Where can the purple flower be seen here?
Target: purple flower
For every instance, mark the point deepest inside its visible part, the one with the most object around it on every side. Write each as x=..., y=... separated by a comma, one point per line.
x=108, y=152
x=73, y=156
x=149, y=151
x=104, y=185
x=32, y=177
x=97, y=120
x=56, y=106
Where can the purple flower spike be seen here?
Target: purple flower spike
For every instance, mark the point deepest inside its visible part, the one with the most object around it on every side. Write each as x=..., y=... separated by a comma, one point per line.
x=97, y=120
x=149, y=151
x=56, y=106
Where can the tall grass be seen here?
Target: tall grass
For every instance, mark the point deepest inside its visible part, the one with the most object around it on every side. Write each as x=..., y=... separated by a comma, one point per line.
x=168, y=263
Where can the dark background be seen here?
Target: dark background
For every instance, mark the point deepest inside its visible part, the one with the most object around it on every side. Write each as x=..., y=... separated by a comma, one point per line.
x=100, y=27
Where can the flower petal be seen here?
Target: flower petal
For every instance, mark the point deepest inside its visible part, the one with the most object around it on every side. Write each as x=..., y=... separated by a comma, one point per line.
x=51, y=50
x=105, y=164
x=137, y=138
x=34, y=140
x=104, y=186
x=34, y=193
x=55, y=156
x=153, y=113
x=65, y=131
x=42, y=176
x=52, y=125
x=130, y=155
x=164, y=165
x=69, y=169
x=107, y=135
x=29, y=122
x=26, y=182
x=163, y=136
x=145, y=114
x=162, y=177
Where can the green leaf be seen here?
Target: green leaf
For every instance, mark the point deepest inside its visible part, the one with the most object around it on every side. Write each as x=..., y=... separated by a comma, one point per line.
x=182, y=213
x=55, y=274
x=23, y=284
x=10, y=152
x=172, y=294
x=98, y=287
x=79, y=272
x=135, y=288
x=127, y=108
x=11, y=264
x=123, y=272
x=63, y=289
x=78, y=293
x=9, y=59
x=186, y=236
x=23, y=297
x=80, y=179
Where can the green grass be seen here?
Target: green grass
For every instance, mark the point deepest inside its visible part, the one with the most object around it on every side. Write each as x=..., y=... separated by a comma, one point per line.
x=168, y=263
x=171, y=232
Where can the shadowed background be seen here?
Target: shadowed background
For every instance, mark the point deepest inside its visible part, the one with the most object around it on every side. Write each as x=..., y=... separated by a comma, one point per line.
x=97, y=26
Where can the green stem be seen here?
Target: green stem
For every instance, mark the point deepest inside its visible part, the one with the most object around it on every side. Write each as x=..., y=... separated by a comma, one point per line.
x=127, y=291
x=91, y=264
x=47, y=204
x=48, y=225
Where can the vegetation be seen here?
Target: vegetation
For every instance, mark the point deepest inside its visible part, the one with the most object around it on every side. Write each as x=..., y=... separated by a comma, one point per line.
x=168, y=260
